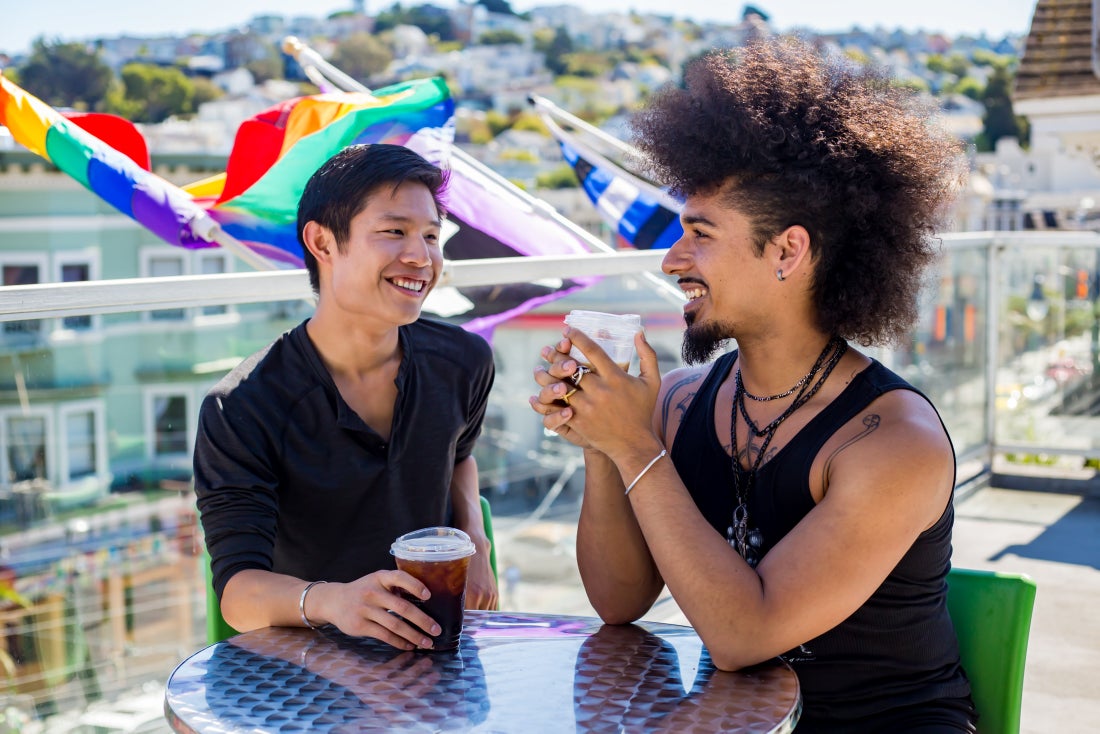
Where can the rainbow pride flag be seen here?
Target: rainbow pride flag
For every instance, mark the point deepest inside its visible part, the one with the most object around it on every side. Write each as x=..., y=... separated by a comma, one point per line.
x=156, y=204
x=275, y=153
x=255, y=200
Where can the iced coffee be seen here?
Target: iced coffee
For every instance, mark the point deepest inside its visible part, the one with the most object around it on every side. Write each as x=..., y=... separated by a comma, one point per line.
x=440, y=559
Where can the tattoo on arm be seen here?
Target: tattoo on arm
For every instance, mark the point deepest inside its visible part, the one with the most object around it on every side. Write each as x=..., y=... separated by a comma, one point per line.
x=681, y=405
x=871, y=421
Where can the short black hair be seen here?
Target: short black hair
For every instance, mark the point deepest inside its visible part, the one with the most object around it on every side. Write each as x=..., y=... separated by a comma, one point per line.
x=341, y=187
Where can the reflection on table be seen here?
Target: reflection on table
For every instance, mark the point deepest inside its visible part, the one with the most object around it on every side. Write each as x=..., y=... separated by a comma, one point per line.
x=513, y=672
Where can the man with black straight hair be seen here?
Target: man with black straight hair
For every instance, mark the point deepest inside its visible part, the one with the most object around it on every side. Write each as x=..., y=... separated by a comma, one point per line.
x=353, y=428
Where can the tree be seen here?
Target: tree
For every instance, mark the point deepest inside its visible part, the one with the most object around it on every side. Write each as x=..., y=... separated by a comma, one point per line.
x=205, y=91
x=957, y=65
x=268, y=67
x=497, y=122
x=428, y=18
x=499, y=37
x=530, y=120
x=65, y=74
x=497, y=6
x=151, y=94
x=556, y=49
x=999, y=120
x=361, y=55
x=588, y=64
x=968, y=86
x=562, y=177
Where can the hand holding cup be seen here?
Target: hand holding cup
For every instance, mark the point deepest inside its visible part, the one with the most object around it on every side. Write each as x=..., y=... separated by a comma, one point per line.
x=440, y=559
x=604, y=392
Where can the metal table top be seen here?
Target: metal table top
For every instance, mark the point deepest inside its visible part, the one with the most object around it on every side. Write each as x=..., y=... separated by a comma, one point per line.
x=513, y=672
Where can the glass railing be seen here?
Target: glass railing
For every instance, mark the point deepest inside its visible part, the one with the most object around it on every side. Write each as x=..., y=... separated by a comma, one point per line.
x=102, y=587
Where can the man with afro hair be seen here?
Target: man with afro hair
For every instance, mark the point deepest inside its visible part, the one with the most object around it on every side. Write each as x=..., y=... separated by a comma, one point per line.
x=794, y=495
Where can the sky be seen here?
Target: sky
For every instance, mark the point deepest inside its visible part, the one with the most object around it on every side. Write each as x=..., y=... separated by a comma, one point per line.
x=21, y=21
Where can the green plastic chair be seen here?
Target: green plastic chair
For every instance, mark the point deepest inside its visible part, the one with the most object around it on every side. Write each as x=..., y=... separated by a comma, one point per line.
x=992, y=617
x=217, y=629
x=487, y=518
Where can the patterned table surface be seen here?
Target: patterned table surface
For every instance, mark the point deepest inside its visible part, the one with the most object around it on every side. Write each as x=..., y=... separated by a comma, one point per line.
x=512, y=672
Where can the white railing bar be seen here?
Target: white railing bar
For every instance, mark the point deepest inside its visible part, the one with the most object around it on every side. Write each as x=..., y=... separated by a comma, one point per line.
x=992, y=343
x=1038, y=448
x=52, y=300
x=1058, y=238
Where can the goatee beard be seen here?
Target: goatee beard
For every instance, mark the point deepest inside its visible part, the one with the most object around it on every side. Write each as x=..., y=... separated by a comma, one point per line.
x=701, y=341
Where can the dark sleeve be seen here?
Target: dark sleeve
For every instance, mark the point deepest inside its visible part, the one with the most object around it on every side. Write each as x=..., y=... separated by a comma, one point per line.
x=235, y=486
x=480, y=384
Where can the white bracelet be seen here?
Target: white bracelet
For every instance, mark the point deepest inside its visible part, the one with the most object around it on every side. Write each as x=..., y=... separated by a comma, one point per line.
x=664, y=452
x=302, y=604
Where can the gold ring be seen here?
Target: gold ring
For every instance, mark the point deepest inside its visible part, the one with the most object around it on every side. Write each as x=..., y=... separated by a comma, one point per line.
x=565, y=398
x=577, y=376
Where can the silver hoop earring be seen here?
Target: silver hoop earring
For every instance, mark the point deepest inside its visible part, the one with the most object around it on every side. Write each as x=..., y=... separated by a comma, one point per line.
x=779, y=275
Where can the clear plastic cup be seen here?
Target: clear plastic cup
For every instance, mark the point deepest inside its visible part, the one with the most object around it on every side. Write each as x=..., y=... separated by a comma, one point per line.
x=440, y=559
x=613, y=332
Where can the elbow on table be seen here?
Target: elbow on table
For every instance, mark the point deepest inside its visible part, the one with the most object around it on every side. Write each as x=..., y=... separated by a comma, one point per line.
x=617, y=616
x=619, y=611
x=732, y=657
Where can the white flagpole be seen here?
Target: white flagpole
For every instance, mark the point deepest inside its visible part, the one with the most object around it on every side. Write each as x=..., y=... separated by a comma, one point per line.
x=205, y=227
x=307, y=56
x=548, y=108
x=593, y=156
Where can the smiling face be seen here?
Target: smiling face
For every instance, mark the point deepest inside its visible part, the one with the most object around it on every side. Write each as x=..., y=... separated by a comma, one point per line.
x=721, y=273
x=391, y=260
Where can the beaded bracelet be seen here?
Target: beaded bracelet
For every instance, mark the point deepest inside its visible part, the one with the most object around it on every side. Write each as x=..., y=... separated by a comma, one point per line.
x=302, y=604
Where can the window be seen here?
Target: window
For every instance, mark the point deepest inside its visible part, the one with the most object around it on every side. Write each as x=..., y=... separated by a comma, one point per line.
x=76, y=273
x=20, y=271
x=163, y=266
x=213, y=264
x=80, y=440
x=168, y=424
x=166, y=262
x=26, y=448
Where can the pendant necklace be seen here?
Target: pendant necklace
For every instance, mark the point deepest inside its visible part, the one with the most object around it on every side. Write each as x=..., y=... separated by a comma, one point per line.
x=747, y=540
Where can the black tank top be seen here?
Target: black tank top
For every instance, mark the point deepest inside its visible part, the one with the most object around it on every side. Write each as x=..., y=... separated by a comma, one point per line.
x=899, y=648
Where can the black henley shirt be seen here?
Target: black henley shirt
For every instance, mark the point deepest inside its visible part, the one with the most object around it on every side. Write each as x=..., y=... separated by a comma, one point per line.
x=290, y=479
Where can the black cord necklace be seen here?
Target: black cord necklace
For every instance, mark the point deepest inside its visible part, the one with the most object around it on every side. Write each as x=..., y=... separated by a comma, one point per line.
x=745, y=539
x=779, y=395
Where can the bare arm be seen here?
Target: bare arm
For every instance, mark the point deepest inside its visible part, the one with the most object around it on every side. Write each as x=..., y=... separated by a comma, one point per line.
x=619, y=574
x=481, y=586
x=824, y=569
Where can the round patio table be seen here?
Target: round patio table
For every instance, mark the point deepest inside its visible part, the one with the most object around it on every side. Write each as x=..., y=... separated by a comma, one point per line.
x=512, y=672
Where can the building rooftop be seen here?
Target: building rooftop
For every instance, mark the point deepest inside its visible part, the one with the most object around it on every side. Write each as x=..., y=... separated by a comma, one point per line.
x=1057, y=59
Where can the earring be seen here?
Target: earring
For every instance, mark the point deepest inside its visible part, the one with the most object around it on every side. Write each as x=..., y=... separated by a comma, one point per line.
x=779, y=275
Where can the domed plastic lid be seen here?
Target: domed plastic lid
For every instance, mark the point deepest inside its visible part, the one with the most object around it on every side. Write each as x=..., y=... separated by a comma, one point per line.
x=433, y=544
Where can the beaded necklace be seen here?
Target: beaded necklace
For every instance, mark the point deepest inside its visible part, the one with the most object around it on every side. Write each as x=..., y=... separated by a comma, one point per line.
x=745, y=539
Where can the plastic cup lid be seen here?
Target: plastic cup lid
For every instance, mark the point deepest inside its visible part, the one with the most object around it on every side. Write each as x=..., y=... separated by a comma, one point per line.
x=617, y=324
x=433, y=544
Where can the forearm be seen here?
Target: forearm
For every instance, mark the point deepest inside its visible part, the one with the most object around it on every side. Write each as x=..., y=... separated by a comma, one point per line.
x=255, y=598
x=721, y=595
x=616, y=567
x=466, y=503
x=481, y=584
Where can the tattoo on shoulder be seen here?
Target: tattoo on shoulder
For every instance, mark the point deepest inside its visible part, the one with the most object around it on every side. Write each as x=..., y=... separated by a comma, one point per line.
x=685, y=400
x=871, y=421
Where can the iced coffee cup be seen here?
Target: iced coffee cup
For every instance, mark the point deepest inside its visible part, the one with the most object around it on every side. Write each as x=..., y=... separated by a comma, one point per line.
x=440, y=559
x=613, y=332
